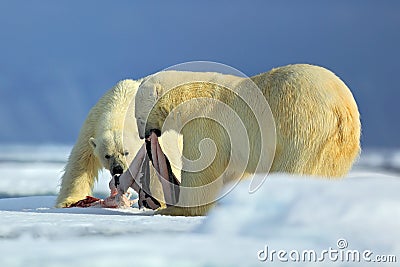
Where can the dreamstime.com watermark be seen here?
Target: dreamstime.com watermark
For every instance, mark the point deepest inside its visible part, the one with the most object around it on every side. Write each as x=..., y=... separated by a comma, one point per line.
x=339, y=254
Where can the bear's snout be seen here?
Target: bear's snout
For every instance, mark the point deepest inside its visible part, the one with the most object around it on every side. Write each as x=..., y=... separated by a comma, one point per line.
x=117, y=170
x=156, y=131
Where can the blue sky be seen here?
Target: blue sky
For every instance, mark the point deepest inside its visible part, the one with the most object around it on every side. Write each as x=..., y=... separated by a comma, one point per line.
x=57, y=58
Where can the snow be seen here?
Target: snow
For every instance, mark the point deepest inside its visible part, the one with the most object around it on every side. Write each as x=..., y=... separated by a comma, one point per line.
x=286, y=213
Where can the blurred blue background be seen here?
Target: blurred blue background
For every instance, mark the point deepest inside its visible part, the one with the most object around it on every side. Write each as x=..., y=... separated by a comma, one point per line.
x=57, y=58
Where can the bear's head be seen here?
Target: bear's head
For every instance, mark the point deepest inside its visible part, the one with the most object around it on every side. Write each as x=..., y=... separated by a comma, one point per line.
x=109, y=150
x=160, y=94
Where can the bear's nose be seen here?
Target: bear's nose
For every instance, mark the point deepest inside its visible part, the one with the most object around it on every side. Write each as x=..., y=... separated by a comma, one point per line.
x=117, y=170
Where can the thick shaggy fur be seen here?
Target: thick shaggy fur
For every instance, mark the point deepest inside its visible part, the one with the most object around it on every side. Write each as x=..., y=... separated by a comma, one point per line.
x=101, y=134
x=317, y=120
x=316, y=117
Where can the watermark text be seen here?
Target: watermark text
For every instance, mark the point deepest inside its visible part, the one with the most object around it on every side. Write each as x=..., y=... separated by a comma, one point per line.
x=340, y=253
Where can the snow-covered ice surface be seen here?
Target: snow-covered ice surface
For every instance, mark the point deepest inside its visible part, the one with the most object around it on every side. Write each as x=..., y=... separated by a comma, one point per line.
x=287, y=213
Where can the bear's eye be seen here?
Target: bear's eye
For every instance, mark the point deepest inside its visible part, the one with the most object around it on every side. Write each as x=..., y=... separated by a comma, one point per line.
x=126, y=153
x=107, y=156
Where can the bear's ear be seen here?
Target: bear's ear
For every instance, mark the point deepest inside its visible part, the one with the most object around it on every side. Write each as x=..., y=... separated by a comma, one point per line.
x=92, y=142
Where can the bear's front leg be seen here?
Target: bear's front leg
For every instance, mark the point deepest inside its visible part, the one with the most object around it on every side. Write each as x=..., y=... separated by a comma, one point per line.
x=197, y=195
x=74, y=187
x=78, y=179
x=185, y=211
x=207, y=155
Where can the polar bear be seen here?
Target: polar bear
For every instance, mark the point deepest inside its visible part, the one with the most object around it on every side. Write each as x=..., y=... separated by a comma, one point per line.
x=108, y=139
x=316, y=119
x=101, y=144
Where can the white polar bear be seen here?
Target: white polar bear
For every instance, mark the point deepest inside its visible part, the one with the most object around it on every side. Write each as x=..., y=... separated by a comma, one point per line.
x=108, y=139
x=316, y=117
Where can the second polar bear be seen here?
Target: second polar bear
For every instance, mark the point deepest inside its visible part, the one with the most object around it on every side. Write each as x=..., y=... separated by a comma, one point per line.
x=316, y=118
